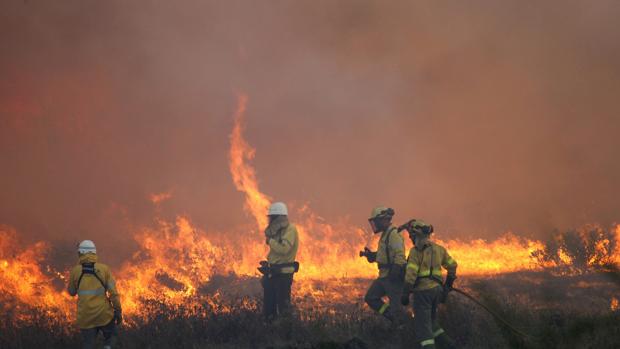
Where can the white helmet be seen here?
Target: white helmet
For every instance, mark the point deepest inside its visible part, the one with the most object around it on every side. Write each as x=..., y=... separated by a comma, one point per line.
x=87, y=246
x=278, y=208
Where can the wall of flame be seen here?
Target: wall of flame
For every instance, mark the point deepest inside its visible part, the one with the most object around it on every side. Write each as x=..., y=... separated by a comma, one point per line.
x=175, y=259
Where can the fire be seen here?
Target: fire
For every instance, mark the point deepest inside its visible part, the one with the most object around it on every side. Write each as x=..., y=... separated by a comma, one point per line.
x=509, y=253
x=160, y=197
x=23, y=283
x=243, y=174
x=614, y=304
x=616, y=253
x=176, y=261
x=328, y=251
x=175, y=257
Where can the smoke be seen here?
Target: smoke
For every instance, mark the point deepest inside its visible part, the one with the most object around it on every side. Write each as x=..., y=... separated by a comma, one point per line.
x=480, y=117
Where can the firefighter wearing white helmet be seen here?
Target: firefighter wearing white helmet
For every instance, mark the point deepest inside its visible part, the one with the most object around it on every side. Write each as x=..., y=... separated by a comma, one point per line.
x=278, y=269
x=277, y=209
x=99, y=306
x=390, y=259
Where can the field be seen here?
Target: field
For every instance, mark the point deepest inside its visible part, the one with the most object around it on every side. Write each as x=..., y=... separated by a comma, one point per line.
x=554, y=311
x=567, y=299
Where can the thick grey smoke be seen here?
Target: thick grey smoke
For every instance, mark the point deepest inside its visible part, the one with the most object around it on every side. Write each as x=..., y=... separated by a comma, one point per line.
x=480, y=117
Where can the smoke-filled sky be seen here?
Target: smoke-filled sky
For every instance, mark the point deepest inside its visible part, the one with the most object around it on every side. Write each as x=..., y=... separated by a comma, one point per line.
x=478, y=116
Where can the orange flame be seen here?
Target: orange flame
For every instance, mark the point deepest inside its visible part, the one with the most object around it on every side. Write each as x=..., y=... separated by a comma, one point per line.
x=508, y=253
x=23, y=282
x=176, y=260
x=160, y=197
x=244, y=175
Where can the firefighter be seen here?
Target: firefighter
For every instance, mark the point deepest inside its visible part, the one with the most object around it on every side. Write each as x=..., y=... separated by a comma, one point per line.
x=390, y=257
x=423, y=278
x=278, y=269
x=99, y=306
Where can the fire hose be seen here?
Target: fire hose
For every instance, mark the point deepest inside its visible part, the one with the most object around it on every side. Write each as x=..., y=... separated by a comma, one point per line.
x=495, y=315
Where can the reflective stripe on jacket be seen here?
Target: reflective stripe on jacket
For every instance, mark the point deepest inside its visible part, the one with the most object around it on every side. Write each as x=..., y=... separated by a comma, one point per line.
x=419, y=275
x=283, y=248
x=396, y=250
x=95, y=304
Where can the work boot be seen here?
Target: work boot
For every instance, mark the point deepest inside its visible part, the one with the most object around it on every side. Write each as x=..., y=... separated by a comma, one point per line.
x=428, y=346
x=444, y=341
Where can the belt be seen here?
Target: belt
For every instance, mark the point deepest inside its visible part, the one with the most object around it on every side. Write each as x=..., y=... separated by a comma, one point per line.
x=267, y=268
x=279, y=267
x=432, y=277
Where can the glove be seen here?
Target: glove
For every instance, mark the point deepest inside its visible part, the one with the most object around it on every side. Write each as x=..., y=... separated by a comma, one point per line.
x=269, y=232
x=118, y=317
x=407, y=226
x=264, y=267
x=447, y=287
x=404, y=299
x=371, y=257
x=397, y=273
x=275, y=227
x=449, y=282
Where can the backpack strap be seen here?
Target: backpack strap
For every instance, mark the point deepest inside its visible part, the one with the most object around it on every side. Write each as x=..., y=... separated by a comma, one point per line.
x=387, y=246
x=89, y=268
x=431, y=263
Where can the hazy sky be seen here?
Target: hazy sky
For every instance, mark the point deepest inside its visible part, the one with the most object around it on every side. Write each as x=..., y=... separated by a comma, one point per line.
x=478, y=116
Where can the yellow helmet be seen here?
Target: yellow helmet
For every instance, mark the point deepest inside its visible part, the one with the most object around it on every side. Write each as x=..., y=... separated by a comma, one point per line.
x=380, y=218
x=421, y=227
x=381, y=211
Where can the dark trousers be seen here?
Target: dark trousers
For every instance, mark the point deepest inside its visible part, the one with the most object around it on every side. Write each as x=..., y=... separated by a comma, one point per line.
x=89, y=335
x=425, y=322
x=276, y=295
x=380, y=288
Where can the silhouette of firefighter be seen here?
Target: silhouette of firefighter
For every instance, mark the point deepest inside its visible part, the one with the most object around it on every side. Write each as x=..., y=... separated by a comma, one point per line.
x=99, y=306
x=390, y=259
x=423, y=278
x=278, y=269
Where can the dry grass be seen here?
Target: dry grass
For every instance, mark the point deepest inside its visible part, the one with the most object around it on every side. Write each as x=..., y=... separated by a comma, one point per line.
x=567, y=307
x=556, y=311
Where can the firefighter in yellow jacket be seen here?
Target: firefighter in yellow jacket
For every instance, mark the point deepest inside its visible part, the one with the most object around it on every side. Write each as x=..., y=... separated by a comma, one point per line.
x=99, y=307
x=278, y=269
x=423, y=278
x=390, y=259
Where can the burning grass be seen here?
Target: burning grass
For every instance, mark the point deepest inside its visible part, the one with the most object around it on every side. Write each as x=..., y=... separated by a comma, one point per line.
x=580, y=250
x=555, y=310
x=178, y=300
x=188, y=288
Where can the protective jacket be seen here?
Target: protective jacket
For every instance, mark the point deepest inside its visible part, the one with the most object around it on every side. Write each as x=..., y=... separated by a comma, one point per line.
x=283, y=248
x=97, y=294
x=391, y=251
x=424, y=267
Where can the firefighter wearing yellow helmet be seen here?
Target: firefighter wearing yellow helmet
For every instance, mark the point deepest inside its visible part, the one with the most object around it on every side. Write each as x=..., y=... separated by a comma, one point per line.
x=278, y=269
x=390, y=259
x=423, y=278
x=99, y=306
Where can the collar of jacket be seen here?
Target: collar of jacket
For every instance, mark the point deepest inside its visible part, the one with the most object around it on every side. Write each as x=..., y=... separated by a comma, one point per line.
x=88, y=258
x=387, y=230
x=426, y=244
